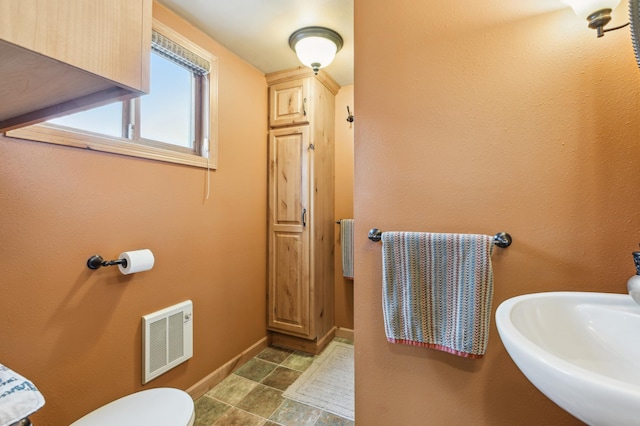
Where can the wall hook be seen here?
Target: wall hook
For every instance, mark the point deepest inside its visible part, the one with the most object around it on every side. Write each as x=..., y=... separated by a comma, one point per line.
x=350, y=116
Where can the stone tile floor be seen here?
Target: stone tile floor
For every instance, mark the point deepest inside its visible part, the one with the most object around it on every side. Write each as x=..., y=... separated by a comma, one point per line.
x=252, y=395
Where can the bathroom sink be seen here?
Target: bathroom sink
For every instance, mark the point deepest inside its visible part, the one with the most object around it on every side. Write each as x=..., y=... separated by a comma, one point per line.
x=582, y=350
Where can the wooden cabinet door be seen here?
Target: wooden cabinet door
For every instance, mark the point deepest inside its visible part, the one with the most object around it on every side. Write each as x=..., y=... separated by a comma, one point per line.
x=289, y=103
x=289, y=229
x=105, y=37
x=65, y=56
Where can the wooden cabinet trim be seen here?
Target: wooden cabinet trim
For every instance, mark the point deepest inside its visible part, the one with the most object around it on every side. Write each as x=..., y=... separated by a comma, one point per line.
x=301, y=73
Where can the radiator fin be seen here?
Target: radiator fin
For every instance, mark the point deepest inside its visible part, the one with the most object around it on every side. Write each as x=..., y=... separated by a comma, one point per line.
x=157, y=344
x=176, y=345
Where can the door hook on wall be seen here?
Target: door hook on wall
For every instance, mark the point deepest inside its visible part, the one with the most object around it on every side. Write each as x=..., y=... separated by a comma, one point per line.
x=350, y=116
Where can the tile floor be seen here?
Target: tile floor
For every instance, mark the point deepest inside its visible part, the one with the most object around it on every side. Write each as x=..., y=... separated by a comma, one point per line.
x=252, y=395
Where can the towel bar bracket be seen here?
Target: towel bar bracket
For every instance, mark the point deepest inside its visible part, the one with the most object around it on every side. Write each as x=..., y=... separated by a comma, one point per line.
x=375, y=235
x=501, y=239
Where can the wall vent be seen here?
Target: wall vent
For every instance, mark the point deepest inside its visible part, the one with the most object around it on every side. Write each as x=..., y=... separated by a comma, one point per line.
x=167, y=339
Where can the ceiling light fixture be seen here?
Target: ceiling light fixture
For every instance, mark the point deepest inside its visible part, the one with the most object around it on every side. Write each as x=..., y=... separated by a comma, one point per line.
x=597, y=12
x=315, y=46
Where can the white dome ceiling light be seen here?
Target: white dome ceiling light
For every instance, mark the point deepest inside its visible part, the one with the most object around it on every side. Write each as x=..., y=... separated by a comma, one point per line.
x=596, y=12
x=315, y=46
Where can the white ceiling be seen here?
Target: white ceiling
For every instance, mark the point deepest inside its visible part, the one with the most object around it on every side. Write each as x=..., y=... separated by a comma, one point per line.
x=258, y=30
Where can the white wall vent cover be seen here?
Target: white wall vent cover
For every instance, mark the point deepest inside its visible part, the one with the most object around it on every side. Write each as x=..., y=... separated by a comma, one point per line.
x=167, y=339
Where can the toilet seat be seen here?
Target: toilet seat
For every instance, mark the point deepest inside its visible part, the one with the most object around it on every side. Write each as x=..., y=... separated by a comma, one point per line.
x=152, y=407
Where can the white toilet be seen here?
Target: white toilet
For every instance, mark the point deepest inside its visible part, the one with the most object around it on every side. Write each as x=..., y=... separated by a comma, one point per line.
x=152, y=407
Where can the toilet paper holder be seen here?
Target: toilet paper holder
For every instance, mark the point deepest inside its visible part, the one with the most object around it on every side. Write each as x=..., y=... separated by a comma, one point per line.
x=129, y=262
x=96, y=261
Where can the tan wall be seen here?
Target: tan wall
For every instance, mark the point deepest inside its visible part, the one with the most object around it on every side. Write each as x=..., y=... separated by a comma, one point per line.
x=76, y=333
x=343, y=201
x=529, y=127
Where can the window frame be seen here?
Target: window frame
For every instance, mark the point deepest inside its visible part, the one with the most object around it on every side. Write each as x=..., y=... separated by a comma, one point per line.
x=206, y=155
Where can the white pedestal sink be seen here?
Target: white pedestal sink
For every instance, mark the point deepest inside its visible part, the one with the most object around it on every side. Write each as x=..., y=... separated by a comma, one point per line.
x=582, y=350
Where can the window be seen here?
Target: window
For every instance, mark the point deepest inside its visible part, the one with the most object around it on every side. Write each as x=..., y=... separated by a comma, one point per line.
x=104, y=120
x=167, y=113
x=175, y=122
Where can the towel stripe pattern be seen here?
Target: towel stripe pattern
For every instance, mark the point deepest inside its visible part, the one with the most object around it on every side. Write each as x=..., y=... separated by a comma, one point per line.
x=438, y=290
x=346, y=240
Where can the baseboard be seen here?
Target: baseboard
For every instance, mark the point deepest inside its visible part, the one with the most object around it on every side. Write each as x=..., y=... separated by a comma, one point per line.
x=299, y=344
x=206, y=384
x=344, y=333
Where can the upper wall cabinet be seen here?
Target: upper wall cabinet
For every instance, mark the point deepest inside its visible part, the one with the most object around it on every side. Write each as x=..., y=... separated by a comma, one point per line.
x=289, y=103
x=290, y=95
x=63, y=56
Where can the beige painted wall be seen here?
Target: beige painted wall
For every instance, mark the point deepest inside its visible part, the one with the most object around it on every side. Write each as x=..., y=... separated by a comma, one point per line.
x=528, y=126
x=343, y=201
x=76, y=333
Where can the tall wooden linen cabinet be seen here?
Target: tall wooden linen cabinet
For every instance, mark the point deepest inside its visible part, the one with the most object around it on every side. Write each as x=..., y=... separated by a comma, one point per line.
x=301, y=209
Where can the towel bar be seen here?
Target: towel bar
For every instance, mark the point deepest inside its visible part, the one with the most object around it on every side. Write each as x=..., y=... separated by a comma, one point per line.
x=501, y=239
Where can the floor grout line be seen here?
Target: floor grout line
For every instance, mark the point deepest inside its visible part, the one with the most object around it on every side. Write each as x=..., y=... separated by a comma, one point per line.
x=313, y=420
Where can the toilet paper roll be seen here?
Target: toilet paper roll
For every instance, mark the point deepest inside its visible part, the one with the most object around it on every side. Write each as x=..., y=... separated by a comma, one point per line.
x=137, y=261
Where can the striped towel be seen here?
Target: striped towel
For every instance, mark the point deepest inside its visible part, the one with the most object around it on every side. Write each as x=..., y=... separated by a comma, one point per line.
x=346, y=244
x=437, y=290
x=19, y=398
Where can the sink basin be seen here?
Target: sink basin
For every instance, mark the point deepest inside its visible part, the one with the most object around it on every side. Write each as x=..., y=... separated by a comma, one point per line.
x=582, y=350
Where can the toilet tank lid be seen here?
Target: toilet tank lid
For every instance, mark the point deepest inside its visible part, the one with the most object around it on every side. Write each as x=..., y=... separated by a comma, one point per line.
x=158, y=407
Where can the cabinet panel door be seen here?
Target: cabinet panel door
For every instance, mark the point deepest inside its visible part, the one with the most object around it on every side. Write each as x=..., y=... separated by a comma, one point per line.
x=289, y=279
x=65, y=56
x=105, y=37
x=289, y=103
